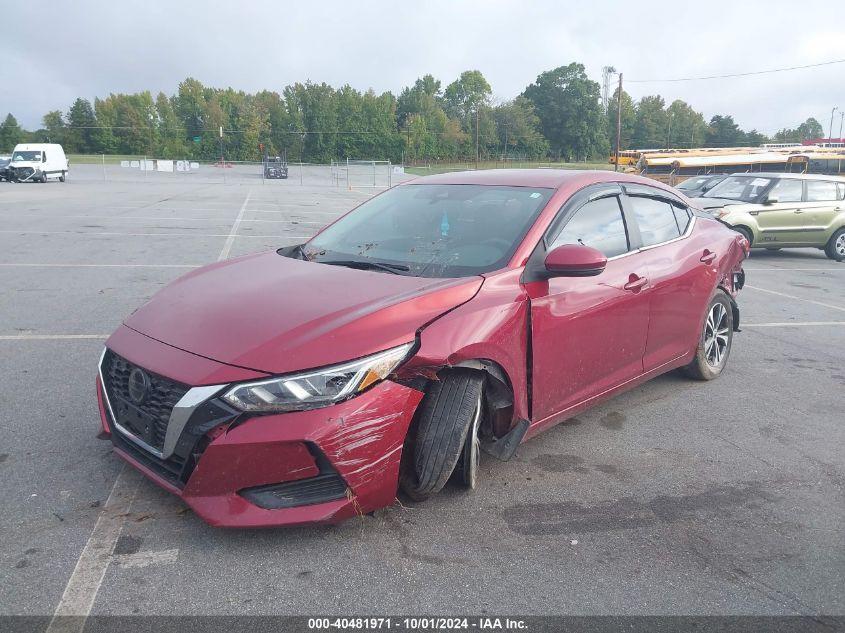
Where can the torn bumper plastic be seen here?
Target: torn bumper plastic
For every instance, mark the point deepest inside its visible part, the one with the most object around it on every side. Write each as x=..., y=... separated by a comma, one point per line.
x=318, y=466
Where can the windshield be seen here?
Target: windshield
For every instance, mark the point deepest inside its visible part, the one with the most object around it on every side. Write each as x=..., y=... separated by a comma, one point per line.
x=433, y=230
x=740, y=188
x=26, y=156
x=693, y=183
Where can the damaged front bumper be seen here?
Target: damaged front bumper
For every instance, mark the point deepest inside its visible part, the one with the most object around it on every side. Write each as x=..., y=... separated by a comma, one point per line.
x=237, y=470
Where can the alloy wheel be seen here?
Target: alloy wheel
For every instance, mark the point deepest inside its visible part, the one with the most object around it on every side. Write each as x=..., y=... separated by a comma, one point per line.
x=716, y=335
x=839, y=246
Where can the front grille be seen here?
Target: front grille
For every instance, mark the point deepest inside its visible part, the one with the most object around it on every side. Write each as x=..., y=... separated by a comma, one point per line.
x=22, y=172
x=147, y=419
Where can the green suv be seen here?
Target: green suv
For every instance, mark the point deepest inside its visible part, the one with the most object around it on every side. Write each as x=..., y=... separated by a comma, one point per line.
x=782, y=210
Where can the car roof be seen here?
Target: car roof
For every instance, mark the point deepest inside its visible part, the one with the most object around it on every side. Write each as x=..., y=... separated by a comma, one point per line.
x=776, y=174
x=541, y=178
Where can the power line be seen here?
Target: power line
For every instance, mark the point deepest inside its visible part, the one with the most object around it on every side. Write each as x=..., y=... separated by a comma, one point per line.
x=747, y=74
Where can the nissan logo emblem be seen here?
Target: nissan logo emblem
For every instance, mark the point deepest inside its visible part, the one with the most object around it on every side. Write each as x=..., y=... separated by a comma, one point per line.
x=139, y=385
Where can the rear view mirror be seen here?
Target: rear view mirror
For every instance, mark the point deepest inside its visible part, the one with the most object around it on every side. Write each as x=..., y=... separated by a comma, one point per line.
x=574, y=260
x=770, y=199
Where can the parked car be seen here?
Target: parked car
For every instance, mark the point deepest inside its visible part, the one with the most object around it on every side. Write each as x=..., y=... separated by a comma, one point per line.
x=38, y=162
x=276, y=166
x=4, y=167
x=448, y=315
x=696, y=186
x=774, y=210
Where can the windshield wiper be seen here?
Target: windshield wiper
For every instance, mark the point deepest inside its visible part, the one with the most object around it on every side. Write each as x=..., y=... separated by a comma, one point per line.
x=396, y=269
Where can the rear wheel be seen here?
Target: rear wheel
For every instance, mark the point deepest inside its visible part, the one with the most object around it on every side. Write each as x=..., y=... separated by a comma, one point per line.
x=714, y=345
x=63, y=176
x=444, y=433
x=835, y=248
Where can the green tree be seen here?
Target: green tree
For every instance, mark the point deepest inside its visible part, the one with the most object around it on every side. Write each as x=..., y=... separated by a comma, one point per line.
x=724, y=132
x=81, y=123
x=651, y=127
x=10, y=133
x=808, y=130
x=54, y=127
x=466, y=95
x=628, y=120
x=518, y=128
x=685, y=127
x=568, y=105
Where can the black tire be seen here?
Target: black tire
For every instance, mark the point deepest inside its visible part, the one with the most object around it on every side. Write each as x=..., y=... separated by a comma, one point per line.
x=835, y=248
x=63, y=176
x=436, y=439
x=745, y=232
x=710, y=357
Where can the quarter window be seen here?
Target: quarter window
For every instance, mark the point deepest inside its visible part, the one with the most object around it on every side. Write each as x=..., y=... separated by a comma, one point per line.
x=598, y=224
x=819, y=190
x=787, y=190
x=656, y=219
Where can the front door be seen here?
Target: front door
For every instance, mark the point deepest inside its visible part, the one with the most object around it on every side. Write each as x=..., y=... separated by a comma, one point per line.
x=588, y=334
x=782, y=222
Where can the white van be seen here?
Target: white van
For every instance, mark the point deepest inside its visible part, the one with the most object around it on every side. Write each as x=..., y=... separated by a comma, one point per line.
x=36, y=162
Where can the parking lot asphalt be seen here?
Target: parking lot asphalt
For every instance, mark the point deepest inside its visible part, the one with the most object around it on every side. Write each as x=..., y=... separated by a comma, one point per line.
x=677, y=497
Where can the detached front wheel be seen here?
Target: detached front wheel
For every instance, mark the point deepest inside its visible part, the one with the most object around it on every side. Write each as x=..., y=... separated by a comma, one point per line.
x=444, y=434
x=714, y=345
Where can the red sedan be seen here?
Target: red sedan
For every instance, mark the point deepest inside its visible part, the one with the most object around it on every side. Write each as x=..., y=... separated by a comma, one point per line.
x=449, y=315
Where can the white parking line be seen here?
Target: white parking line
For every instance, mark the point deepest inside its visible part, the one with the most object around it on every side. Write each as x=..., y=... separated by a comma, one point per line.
x=52, y=337
x=783, y=294
x=227, y=247
x=793, y=324
x=84, y=583
x=152, y=218
x=100, y=265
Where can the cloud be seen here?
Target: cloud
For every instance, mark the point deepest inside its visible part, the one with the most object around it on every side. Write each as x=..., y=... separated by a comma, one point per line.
x=102, y=47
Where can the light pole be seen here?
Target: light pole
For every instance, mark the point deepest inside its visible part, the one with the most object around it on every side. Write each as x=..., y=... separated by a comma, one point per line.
x=830, y=129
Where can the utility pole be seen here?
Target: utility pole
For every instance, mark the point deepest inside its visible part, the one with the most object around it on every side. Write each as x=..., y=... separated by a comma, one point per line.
x=830, y=129
x=841, y=120
x=476, y=136
x=669, y=132
x=618, y=124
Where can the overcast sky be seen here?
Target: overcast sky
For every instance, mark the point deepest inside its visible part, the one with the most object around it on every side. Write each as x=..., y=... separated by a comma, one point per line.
x=55, y=51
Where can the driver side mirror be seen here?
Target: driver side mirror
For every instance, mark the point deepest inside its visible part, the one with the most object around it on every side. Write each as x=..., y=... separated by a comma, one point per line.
x=574, y=260
x=770, y=199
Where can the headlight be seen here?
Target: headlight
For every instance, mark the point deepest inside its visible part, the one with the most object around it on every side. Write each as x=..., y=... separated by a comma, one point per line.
x=320, y=388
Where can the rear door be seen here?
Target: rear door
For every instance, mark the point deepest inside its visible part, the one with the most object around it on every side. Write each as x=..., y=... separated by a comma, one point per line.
x=682, y=272
x=824, y=204
x=588, y=334
x=783, y=222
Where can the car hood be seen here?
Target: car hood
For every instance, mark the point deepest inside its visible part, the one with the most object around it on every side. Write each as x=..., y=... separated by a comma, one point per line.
x=715, y=203
x=274, y=314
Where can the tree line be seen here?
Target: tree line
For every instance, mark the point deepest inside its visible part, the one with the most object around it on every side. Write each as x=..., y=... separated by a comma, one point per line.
x=559, y=117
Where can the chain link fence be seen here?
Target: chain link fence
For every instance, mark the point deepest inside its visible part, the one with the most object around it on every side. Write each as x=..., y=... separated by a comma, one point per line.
x=347, y=174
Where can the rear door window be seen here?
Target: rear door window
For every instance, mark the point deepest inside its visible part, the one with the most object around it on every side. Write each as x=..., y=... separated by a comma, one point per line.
x=598, y=224
x=656, y=220
x=821, y=190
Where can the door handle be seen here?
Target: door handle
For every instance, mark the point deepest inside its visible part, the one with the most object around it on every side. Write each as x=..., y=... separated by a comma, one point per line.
x=798, y=211
x=635, y=283
x=708, y=257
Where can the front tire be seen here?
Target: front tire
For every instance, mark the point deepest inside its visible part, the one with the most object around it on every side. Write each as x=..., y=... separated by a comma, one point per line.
x=835, y=248
x=714, y=344
x=438, y=436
